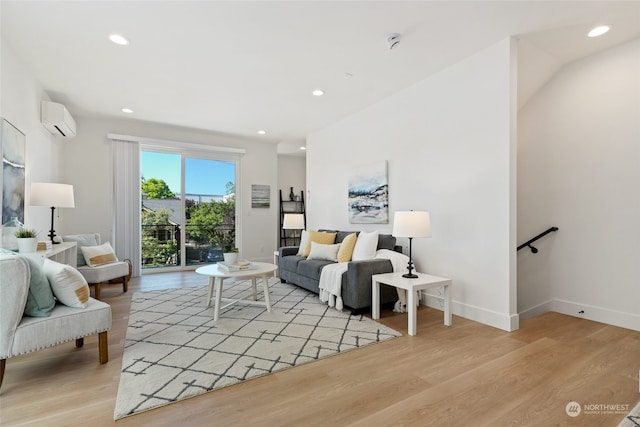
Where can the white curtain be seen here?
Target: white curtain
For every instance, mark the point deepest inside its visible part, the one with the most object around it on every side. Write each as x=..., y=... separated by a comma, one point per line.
x=126, y=201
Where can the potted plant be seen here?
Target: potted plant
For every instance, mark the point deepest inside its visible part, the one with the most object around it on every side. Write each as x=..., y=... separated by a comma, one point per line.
x=229, y=249
x=27, y=240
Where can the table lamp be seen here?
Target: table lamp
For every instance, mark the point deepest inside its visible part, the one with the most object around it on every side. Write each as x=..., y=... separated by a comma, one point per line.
x=411, y=224
x=293, y=222
x=52, y=195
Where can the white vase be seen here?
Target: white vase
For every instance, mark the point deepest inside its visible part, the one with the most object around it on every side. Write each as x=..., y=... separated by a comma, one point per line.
x=230, y=257
x=27, y=245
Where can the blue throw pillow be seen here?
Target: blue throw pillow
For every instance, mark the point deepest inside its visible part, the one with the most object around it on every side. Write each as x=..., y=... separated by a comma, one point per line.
x=40, y=300
x=81, y=240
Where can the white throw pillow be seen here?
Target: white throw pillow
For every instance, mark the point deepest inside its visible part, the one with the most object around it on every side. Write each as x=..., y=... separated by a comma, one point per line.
x=366, y=246
x=67, y=284
x=304, y=241
x=99, y=255
x=324, y=252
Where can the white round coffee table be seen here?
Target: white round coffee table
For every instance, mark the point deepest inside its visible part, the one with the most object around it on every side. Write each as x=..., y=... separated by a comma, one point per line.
x=257, y=269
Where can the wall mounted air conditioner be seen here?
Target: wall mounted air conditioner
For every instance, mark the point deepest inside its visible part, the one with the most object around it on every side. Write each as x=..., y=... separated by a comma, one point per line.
x=57, y=119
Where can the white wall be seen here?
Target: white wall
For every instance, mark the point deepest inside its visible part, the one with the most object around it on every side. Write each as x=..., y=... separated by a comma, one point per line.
x=578, y=157
x=450, y=148
x=86, y=162
x=20, y=96
x=292, y=172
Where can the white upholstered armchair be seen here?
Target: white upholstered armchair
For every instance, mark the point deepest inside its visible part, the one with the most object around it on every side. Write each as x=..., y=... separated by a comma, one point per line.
x=102, y=272
x=20, y=334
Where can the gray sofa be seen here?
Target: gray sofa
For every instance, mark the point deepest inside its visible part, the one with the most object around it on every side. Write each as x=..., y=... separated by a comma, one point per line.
x=356, y=281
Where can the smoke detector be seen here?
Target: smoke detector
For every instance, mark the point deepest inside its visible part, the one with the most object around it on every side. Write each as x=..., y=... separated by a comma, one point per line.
x=392, y=40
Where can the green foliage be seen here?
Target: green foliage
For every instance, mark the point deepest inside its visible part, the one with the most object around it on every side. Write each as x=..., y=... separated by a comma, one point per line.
x=158, y=254
x=213, y=223
x=158, y=245
x=24, y=233
x=207, y=224
x=156, y=188
x=154, y=218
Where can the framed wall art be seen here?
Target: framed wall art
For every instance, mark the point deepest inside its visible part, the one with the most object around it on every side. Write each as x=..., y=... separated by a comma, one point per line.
x=260, y=196
x=369, y=194
x=12, y=178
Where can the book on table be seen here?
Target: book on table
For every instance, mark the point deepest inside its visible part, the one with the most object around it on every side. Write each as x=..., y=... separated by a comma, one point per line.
x=237, y=266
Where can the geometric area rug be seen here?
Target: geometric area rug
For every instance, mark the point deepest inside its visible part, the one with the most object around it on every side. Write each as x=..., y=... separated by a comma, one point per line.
x=173, y=349
x=632, y=419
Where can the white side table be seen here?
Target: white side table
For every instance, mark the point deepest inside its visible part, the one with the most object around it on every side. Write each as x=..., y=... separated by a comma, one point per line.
x=64, y=253
x=424, y=281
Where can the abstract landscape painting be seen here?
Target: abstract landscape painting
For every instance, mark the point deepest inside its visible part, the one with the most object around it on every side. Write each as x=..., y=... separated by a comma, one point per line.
x=369, y=195
x=260, y=196
x=12, y=147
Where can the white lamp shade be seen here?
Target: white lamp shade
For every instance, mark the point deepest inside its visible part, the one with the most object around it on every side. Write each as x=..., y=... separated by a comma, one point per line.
x=411, y=224
x=293, y=222
x=51, y=195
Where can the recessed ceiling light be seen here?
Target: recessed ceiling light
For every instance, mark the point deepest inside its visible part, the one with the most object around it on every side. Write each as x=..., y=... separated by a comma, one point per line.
x=303, y=148
x=598, y=31
x=127, y=110
x=318, y=92
x=262, y=132
x=118, y=39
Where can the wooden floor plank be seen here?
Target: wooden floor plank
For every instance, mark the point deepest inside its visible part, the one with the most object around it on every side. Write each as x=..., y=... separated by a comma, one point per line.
x=466, y=374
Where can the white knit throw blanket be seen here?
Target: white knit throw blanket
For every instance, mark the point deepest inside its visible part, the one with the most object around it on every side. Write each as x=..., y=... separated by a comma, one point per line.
x=331, y=279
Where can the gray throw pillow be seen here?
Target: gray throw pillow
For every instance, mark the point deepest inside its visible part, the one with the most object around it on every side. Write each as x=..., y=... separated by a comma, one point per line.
x=386, y=241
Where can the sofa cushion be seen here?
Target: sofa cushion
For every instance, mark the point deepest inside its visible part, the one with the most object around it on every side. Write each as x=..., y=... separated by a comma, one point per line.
x=319, y=237
x=347, y=245
x=312, y=268
x=386, y=241
x=64, y=324
x=341, y=235
x=290, y=262
x=68, y=285
x=365, y=246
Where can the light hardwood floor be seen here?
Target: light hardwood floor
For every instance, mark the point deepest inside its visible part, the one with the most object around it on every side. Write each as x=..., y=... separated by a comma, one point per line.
x=464, y=375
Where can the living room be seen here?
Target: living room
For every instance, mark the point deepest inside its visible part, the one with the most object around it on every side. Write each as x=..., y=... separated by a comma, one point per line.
x=493, y=164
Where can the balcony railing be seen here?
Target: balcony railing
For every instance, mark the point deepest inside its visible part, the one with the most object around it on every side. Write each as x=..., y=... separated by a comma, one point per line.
x=161, y=245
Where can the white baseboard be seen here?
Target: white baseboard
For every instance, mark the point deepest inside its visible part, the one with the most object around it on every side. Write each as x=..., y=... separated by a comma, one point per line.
x=590, y=312
x=477, y=314
x=597, y=314
x=536, y=311
x=512, y=323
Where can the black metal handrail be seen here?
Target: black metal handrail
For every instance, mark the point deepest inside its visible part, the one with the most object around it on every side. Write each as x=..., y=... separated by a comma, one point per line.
x=529, y=242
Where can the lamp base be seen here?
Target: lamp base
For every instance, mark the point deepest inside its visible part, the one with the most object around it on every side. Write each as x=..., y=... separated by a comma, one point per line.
x=410, y=276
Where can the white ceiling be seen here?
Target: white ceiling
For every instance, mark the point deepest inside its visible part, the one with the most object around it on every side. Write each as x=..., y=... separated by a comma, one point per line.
x=235, y=67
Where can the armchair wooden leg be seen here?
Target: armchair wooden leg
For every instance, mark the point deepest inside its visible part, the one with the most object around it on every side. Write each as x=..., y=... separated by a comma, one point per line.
x=97, y=290
x=125, y=284
x=103, y=346
x=79, y=342
x=2, y=365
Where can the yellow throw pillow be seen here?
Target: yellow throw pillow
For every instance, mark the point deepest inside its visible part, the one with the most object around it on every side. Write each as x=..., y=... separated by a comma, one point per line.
x=319, y=237
x=346, y=248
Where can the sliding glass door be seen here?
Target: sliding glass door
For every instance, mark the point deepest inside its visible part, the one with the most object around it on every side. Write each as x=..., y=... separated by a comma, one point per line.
x=188, y=208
